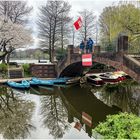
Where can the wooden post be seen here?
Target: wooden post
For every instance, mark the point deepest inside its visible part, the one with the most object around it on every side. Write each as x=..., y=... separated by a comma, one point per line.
x=70, y=52
x=15, y=72
x=96, y=49
x=122, y=46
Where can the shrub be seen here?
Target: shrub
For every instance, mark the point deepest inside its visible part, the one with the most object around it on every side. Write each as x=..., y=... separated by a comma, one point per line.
x=117, y=88
x=60, y=54
x=26, y=68
x=121, y=126
x=3, y=67
x=3, y=70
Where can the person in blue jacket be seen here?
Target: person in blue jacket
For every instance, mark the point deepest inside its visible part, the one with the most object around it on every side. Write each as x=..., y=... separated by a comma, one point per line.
x=82, y=46
x=90, y=44
x=87, y=46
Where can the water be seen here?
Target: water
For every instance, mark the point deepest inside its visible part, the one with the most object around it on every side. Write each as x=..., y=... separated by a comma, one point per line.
x=29, y=61
x=53, y=112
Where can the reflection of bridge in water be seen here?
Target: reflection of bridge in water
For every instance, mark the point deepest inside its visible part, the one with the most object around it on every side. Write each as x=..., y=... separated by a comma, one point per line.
x=78, y=100
x=75, y=100
x=71, y=65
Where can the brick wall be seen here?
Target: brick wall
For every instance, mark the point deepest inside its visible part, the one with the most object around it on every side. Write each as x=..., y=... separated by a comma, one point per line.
x=43, y=70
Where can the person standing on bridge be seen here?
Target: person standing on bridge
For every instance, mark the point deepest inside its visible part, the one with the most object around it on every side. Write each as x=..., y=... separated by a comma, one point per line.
x=86, y=46
x=90, y=44
x=82, y=46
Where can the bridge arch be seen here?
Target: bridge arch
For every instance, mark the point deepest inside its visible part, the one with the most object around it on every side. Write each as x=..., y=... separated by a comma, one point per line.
x=76, y=68
x=72, y=70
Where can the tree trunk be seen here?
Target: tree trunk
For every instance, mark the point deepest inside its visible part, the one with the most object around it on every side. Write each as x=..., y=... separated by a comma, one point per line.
x=8, y=58
x=50, y=42
x=53, y=38
x=50, y=53
x=3, y=60
x=62, y=39
x=62, y=34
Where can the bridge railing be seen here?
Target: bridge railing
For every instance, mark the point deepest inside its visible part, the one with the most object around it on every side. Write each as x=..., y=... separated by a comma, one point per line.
x=62, y=61
x=109, y=46
x=133, y=49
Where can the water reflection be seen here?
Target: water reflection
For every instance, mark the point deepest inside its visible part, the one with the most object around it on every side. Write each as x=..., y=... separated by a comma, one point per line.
x=124, y=95
x=54, y=114
x=63, y=106
x=78, y=100
x=55, y=110
x=15, y=114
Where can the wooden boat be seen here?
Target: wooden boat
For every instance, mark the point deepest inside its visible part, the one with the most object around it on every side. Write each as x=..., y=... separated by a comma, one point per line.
x=23, y=85
x=109, y=78
x=50, y=82
x=36, y=82
x=120, y=77
x=94, y=80
x=123, y=75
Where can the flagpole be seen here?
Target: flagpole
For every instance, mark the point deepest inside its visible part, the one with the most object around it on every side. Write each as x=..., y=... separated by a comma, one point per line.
x=73, y=37
x=96, y=31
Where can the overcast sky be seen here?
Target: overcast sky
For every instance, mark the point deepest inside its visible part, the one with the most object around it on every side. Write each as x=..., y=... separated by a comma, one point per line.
x=77, y=5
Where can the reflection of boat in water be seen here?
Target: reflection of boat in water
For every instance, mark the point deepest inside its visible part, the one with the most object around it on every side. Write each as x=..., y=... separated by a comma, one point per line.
x=64, y=85
x=78, y=100
x=59, y=81
x=45, y=89
x=74, y=80
x=22, y=85
x=41, y=90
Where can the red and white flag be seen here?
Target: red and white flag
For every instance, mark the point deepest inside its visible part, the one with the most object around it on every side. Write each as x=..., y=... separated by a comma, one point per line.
x=78, y=23
x=87, y=60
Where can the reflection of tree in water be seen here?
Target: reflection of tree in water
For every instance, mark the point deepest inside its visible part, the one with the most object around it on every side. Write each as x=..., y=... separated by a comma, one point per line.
x=125, y=95
x=15, y=115
x=54, y=115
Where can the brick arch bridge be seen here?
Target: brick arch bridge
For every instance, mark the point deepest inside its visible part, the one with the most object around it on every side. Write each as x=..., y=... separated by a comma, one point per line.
x=71, y=65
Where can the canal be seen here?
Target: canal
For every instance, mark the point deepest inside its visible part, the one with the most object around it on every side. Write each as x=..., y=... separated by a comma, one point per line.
x=48, y=113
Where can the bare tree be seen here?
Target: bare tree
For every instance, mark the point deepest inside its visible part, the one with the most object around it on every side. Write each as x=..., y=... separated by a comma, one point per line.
x=52, y=19
x=64, y=25
x=16, y=11
x=88, y=25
